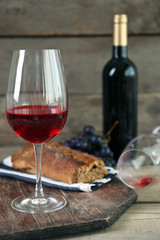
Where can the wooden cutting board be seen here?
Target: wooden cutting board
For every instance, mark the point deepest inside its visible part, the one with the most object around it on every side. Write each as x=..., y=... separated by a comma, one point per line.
x=84, y=212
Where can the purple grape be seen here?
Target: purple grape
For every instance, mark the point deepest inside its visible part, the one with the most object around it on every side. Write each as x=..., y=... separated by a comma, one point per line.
x=105, y=151
x=73, y=142
x=88, y=129
x=95, y=139
x=84, y=146
x=96, y=153
x=67, y=143
x=88, y=141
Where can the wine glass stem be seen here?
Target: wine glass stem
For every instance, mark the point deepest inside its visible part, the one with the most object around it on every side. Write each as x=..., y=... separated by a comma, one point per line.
x=38, y=155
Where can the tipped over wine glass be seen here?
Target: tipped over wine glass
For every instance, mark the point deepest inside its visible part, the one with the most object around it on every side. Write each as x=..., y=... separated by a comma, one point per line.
x=139, y=164
x=36, y=109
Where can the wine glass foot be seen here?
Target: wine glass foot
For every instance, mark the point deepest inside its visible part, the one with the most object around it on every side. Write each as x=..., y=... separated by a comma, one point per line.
x=46, y=204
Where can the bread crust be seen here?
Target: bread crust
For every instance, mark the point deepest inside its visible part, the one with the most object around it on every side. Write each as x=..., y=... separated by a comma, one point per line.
x=61, y=163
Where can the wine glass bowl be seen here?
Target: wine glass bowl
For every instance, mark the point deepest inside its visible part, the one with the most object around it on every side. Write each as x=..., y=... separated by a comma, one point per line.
x=36, y=109
x=138, y=165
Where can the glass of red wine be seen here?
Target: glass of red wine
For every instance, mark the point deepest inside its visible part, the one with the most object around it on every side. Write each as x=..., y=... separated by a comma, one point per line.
x=36, y=109
x=138, y=165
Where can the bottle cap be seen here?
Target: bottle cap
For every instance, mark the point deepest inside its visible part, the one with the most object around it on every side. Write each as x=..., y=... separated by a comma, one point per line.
x=120, y=30
x=120, y=18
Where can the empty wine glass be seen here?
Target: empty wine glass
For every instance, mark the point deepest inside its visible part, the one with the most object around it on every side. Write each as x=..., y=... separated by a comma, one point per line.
x=138, y=165
x=36, y=109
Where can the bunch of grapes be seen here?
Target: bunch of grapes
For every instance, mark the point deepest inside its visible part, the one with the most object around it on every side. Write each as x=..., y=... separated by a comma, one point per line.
x=92, y=143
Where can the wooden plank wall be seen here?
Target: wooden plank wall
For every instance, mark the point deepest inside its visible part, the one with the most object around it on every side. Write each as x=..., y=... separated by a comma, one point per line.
x=82, y=29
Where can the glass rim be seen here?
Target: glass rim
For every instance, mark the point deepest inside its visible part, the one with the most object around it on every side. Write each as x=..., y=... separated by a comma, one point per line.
x=37, y=49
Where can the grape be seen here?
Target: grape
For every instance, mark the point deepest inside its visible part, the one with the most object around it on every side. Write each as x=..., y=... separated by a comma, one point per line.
x=78, y=145
x=98, y=140
x=73, y=142
x=95, y=139
x=90, y=142
x=108, y=163
x=103, y=151
x=67, y=143
x=81, y=136
x=96, y=153
x=84, y=146
x=113, y=161
x=111, y=154
x=89, y=129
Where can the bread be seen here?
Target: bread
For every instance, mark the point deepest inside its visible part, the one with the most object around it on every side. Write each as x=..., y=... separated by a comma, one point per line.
x=61, y=163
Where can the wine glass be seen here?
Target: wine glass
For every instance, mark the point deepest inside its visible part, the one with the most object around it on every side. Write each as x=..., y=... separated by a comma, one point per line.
x=36, y=109
x=138, y=165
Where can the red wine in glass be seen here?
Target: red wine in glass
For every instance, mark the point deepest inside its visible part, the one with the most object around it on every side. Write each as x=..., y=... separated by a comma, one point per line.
x=37, y=123
x=36, y=109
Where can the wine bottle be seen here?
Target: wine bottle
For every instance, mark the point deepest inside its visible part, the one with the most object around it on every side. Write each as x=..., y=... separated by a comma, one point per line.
x=120, y=91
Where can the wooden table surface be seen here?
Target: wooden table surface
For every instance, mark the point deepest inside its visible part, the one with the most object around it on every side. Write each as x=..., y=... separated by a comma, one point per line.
x=140, y=221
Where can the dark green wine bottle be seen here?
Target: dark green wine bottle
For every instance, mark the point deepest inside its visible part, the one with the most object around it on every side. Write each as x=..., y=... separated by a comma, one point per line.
x=120, y=91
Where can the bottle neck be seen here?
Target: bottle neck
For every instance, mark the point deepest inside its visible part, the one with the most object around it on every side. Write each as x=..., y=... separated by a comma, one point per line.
x=120, y=40
x=120, y=51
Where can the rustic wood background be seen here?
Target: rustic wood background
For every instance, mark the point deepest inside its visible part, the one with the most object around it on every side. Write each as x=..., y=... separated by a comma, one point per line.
x=82, y=29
